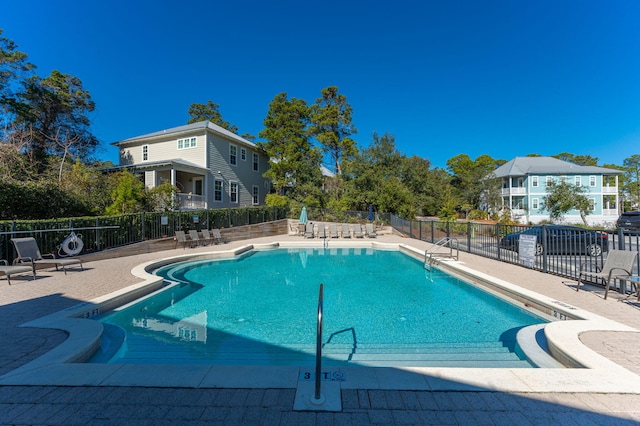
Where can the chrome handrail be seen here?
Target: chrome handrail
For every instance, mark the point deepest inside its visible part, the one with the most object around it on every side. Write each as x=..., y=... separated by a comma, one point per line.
x=429, y=258
x=319, y=343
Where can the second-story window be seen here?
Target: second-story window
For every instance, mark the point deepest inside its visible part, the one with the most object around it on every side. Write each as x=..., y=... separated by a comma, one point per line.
x=145, y=152
x=243, y=154
x=577, y=181
x=256, y=162
x=233, y=155
x=549, y=181
x=186, y=143
x=592, y=181
x=534, y=181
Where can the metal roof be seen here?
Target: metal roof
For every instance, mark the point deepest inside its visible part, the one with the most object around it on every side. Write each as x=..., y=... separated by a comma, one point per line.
x=523, y=166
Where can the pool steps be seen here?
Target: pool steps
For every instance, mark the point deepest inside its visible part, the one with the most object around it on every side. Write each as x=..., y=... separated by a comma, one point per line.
x=481, y=355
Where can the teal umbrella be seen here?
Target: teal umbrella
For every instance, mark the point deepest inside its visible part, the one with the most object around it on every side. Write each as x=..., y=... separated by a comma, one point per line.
x=303, y=215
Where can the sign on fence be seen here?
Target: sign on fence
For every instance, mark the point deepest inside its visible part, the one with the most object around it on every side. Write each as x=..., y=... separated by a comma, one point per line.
x=527, y=250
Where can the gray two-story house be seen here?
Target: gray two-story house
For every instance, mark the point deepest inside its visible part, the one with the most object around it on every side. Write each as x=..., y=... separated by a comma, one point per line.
x=211, y=166
x=525, y=183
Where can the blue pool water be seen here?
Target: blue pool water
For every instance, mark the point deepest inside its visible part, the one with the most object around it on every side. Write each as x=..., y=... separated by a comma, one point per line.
x=380, y=307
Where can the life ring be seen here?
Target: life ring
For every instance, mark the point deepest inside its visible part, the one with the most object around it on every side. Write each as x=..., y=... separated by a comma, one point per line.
x=72, y=245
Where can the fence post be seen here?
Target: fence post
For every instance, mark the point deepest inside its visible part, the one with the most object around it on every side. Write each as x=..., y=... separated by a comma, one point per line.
x=433, y=231
x=469, y=230
x=98, y=234
x=544, y=249
x=143, y=227
x=498, y=241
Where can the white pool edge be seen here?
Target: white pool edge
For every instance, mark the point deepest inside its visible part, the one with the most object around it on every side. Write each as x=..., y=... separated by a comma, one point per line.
x=59, y=367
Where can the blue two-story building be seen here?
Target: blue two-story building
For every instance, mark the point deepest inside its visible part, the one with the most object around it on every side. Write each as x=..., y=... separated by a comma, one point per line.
x=525, y=183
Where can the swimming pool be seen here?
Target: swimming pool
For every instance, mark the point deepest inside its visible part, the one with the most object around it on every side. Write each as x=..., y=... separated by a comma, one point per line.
x=381, y=308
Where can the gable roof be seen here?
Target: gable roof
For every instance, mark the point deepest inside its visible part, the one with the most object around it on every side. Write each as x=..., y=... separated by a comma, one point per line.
x=186, y=129
x=523, y=166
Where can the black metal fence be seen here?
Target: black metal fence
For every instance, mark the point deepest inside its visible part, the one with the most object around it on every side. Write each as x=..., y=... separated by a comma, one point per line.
x=559, y=252
x=103, y=232
x=99, y=233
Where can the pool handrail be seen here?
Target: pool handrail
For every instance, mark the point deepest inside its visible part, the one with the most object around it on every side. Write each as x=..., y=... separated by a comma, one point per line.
x=318, y=394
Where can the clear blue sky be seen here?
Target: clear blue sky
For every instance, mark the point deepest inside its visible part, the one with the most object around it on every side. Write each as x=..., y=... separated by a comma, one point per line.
x=499, y=77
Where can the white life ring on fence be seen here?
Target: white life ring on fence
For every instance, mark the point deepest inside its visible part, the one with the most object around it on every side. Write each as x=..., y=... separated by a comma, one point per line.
x=72, y=245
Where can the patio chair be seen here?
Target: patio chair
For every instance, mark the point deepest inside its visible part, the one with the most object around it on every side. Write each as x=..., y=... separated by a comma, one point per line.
x=207, y=238
x=345, y=231
x=8, y=270
x=195, y=239
x=217, y=236
x=357, y=231
x=617, y=264
x=333, y=230
x=308, y=230
x=371, y=233
x=181, y=237
x=28, y=252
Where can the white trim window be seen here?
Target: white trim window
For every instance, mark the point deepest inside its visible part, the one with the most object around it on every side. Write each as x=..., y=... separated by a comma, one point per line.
x=145, y=152
x=535, y=204
x=243, y=154
x=255, y=195
x=534, y=181
x=233, y=155
x=218, y=186
x=577, y=180
x=548, y=181
x=186, y=143
x=592, y=181
x=592, y=204
x=256, y=162
x=233, y=192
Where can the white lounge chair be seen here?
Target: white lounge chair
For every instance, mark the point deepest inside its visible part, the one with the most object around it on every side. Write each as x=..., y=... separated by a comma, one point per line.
x=370, y=231
x=207, y=238
x=195, y=239
x=333, y=230
x=9, y=270
x=181, y=237
x=217, y=236
x=617, y=264
x=28, y=252
x=308, y=230
x=357, y=231
x=345, y=231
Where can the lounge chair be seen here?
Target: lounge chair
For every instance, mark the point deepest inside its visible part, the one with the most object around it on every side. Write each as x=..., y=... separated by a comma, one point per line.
x=181, y=237
x=308, y=230
x=333, y=230
x=207, y=238
x=217, y=236
x=618, y=263
x=371, y=233
x=357, y=231
x=28, y=252
x=195, y=239
x=8, y=270
x=345, y=231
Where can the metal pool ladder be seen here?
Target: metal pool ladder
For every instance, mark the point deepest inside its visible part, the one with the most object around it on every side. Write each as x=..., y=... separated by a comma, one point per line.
x=433, y=254
x=318, y=394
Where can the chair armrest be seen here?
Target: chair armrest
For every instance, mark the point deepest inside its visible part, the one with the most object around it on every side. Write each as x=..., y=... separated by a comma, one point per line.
x=23, y=260
x=4, y=262
x=591, y=264
x=49, y=255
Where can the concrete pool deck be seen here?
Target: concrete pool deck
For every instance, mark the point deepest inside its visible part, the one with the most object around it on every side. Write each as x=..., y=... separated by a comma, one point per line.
x=390, y=397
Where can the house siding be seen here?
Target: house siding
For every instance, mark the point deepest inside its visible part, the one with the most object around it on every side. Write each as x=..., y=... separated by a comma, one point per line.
x=208, y=160
x=520, y=198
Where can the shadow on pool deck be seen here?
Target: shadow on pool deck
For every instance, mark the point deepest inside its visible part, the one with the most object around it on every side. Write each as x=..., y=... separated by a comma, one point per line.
x=26, y=300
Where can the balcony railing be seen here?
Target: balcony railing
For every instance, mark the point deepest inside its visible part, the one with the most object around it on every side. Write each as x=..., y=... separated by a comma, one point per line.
x=514, y=191
x=191, y=202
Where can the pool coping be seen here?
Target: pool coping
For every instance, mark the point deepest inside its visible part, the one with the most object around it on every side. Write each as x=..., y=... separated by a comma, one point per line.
x=62, y=367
